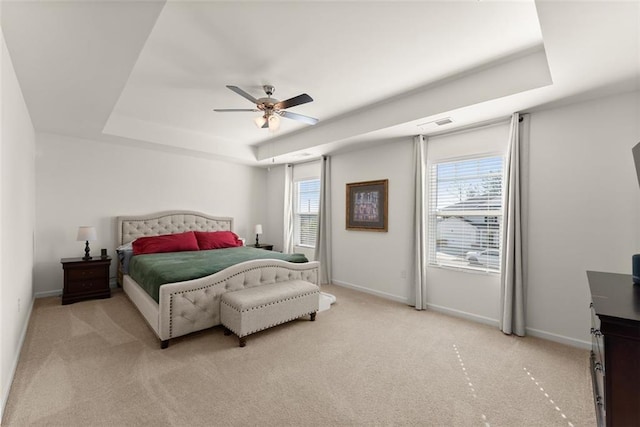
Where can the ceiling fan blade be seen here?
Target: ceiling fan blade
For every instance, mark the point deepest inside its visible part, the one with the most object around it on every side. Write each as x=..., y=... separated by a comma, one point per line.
x=243, y=94
x=299, y=117
x=227, y=110
x=292, y=102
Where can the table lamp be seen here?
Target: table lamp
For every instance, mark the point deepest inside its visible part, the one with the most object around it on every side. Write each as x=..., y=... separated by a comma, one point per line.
x=258, y=233
x=87, y=234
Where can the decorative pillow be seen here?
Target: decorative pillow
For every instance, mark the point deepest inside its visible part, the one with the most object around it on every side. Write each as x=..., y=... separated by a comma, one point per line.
x=217, y=239
x=178, y=242
x=125, y=252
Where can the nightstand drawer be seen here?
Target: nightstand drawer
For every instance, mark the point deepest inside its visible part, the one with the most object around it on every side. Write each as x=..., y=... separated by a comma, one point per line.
x=79, y=286
x=84, y=274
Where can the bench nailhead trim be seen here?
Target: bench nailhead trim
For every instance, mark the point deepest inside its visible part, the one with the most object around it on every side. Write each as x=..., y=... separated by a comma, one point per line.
x=267, y=327
x=270, y=303
x=175, y=294
x=265, y=305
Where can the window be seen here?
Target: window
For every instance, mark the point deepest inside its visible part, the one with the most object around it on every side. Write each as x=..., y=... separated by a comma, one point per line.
x=465, y=213
x=305, y=211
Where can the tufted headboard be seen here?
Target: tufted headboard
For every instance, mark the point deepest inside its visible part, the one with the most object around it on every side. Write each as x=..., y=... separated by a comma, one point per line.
x=168, y=222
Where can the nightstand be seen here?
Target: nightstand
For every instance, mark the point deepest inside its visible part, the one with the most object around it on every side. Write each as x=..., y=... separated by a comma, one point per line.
x=85, y=279
x=266, y=247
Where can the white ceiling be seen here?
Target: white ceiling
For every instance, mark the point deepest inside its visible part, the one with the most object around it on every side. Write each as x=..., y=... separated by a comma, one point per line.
x=150, y=73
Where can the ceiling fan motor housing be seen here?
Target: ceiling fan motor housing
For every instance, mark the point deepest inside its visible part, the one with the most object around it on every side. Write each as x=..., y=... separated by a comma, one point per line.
x=267, y=104
x=269, y=89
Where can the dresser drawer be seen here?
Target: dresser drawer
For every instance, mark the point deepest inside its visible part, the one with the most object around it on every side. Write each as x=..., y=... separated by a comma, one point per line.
x=597, y=339
x=595, y=320
x=597, y=381
x=597, y=348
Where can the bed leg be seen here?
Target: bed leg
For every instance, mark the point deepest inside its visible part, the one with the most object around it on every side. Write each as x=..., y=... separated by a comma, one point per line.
x=242, y=341
x=313, y=316
x=164, y=344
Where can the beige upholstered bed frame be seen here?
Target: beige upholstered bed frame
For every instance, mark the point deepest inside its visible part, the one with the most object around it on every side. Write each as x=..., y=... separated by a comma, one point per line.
x=193, y=305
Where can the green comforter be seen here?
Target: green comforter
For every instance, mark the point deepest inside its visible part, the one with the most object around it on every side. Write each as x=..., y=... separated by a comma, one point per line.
x=154, y=270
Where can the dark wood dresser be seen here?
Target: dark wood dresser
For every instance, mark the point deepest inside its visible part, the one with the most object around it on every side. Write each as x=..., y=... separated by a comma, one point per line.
x=85, y=279
x=615, y=354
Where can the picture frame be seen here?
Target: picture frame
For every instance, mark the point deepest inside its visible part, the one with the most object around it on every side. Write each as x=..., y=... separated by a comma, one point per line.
x=367, y=205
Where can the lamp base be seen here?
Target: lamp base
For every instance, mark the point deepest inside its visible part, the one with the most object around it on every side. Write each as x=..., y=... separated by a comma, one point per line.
x=86, y=256
x=257, y=242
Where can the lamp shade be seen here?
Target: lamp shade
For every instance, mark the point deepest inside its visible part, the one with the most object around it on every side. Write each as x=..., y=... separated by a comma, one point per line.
x=274, y=122
x=260, y=121
x=258, y=228
x=86, y=233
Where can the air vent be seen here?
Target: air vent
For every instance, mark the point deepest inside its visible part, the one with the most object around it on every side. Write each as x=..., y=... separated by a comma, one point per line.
x=438, y=122
x=444, y=121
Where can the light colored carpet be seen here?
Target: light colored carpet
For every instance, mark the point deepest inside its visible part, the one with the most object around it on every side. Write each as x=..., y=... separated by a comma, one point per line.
x=366, y=361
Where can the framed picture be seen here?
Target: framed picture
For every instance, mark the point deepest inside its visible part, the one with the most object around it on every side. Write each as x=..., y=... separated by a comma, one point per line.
x=367, y=205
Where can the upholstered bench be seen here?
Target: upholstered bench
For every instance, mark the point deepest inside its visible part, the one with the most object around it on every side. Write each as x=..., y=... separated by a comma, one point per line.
x=253, y=309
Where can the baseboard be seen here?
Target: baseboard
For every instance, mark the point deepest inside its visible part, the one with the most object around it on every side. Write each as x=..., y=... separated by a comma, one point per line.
x=572, y=342
x=45, y=294
x=440, y=309
x=16, y=359
x=370, y=291
x=464, y=315
x=113, y=284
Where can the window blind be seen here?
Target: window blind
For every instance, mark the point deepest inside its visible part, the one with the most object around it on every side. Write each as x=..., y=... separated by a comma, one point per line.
x=465, y=213
x=307, y=201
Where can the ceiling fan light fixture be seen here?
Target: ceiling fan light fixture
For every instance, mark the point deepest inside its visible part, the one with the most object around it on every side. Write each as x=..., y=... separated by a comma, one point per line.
x=274, y=122
x=260, y=121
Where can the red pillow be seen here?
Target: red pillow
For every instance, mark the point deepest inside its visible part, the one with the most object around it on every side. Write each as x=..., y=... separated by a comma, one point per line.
x=217, y=239
x=166, y=243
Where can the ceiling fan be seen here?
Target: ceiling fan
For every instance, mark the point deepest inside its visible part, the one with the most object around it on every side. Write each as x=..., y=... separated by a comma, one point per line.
x=272, y=108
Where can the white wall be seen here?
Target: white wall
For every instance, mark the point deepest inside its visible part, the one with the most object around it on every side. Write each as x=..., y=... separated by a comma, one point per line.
x=584, y=213
x=378, y=262
x=584, y=207
x=274, y=208
x=82, y=182
x=17, y=221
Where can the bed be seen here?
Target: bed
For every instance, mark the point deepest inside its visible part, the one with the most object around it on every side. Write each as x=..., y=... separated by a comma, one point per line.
x=192, y=305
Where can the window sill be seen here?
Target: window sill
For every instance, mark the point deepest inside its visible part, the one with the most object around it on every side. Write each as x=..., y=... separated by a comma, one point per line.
x=470, y=270
x=305, y=246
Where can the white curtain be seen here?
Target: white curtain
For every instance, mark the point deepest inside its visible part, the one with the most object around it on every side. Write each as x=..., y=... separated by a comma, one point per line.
x=420, y=221
x=323, y=240
x=514, y=237
x=287, y=241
